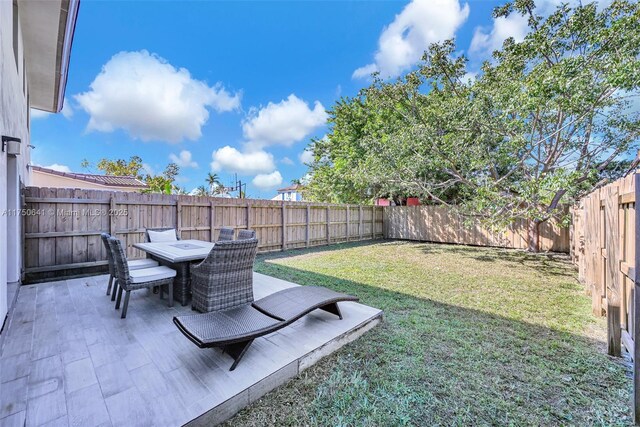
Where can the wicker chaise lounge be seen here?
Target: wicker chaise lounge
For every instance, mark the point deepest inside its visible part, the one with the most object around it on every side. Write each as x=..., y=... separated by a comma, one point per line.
x=234, y=329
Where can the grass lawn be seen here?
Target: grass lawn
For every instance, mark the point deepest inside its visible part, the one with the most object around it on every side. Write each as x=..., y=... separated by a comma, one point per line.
x=471, y=336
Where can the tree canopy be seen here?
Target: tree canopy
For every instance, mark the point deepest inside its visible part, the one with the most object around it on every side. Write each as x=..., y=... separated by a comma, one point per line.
x=543, y=122
x=162, y=183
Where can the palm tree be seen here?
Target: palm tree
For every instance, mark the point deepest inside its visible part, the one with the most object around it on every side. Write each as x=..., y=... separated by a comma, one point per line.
x=220, y=190
x=213, y=180
x=179, y=190
x=201, y=191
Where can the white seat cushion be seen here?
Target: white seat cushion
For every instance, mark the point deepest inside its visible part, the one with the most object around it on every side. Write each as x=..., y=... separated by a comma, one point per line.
x=151, y=274
x=162, y=236
x=138, y=264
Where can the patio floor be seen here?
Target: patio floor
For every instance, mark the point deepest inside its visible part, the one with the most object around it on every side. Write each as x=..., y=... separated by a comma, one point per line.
x=68, y=358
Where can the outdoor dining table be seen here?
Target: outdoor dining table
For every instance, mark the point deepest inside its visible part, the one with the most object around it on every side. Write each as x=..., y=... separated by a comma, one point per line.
x=178, y=255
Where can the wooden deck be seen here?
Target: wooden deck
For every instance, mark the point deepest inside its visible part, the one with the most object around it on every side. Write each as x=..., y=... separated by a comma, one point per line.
x=69, y=358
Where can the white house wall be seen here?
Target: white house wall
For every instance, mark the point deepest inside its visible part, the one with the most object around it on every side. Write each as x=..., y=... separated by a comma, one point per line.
x=13, y=122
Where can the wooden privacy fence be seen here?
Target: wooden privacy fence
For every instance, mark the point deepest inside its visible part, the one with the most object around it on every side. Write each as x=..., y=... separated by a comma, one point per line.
x=440, y=224
x=606, y=250
x=61, y=227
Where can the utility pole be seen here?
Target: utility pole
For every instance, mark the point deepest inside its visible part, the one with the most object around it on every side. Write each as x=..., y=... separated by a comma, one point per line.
x=238, y=186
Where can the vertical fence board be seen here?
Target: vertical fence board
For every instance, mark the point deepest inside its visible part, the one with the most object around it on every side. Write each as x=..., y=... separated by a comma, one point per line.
x=606, y=251
x=439, y=224
x=612, y=262
x=634, y=258
x=65, y=244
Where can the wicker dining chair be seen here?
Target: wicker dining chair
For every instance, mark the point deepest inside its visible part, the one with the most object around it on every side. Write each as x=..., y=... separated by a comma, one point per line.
x=146, y=232
x=246, y=234
x=135, y=264
x=226, y=234
x=225, y=278
x=131, y=280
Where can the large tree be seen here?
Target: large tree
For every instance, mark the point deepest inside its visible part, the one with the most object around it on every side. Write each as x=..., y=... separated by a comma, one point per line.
x=162, y=183
x=542, y=123
x=121, y=167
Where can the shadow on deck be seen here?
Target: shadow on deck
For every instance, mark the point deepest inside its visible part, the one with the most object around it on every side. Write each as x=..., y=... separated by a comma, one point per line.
x=68, y=357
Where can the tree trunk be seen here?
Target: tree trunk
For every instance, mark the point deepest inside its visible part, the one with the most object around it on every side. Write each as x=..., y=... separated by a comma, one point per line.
x=533, y=235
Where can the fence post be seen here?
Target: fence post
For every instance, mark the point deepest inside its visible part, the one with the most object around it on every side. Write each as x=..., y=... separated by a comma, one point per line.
x=112, y=218
x=636, y=303
x=23, y=243
x=284, y=226
x=611, y=218
x=360, y=222
x=373, y=222
x=307, y=231
x=179, y=217
x=386, y=221
x=212, y=221
x=248, y=215
x=328, y=225
x=348, y=223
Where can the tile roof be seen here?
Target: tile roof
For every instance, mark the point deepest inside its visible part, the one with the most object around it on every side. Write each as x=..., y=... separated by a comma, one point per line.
x=294, y=187
x=109, y=180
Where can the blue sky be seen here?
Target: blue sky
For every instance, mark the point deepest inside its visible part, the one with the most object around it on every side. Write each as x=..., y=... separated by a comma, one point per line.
x=240, y=87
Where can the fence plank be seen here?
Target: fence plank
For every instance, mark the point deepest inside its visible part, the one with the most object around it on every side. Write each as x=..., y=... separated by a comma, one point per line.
x=58, y=245
x=636, y=306
x=308, y=226
x=439, y=224
x=328, y=225
x=284, y=226
x=611, y=216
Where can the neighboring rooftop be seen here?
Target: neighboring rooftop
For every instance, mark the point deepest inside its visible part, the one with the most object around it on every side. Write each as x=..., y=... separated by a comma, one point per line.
x=106, y=180
x=294, y=187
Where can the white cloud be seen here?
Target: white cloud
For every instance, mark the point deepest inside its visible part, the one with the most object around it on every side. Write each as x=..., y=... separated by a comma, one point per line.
x=306, y=156
x=184, y=160
x=150, y=99
x=148, y=169
x=58, y=167
x=267, y=181
x=67, y=111
x=39, y=114
x=469, y=77
x=231, y=160
x=403, y=42
x=485, y=41
x=365, y=71
x=284, y=123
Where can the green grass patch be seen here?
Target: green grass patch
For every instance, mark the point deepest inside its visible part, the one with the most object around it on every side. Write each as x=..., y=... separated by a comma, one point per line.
x=471, y=336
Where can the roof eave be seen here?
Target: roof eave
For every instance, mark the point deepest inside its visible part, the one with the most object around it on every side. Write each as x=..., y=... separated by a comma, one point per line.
x=63, y=72
x=48, y=27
